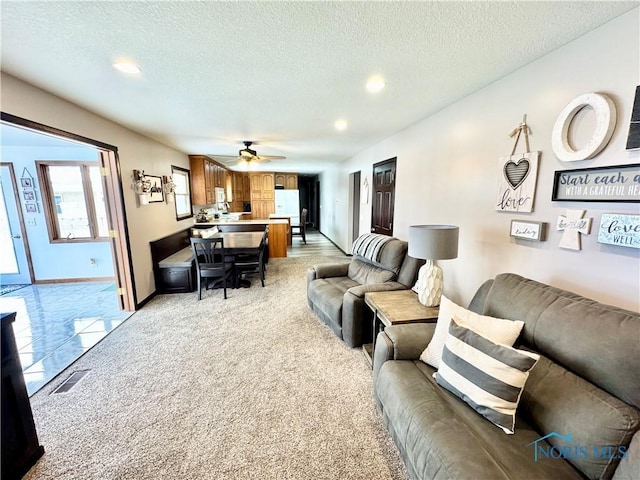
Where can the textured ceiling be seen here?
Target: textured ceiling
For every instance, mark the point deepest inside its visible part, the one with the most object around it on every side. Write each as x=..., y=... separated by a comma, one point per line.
x=280, y=73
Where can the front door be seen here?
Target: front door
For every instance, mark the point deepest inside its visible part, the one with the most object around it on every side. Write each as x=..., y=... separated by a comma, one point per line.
x=384, y=186
x=14, y=265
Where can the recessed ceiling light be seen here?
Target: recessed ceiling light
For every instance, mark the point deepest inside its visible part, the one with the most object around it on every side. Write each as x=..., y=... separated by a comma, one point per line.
x=375, y=84
x=127, y=67
x=341, y=124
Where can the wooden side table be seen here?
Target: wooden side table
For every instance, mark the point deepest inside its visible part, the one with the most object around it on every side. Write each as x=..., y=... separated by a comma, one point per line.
x=393, y=308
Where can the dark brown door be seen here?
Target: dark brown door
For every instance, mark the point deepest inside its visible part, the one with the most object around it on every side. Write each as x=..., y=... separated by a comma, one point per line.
x=383, y=197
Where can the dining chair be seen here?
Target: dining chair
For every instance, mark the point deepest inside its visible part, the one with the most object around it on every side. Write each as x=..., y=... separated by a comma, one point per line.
x=253, y=263
x=211, y=262
x=301, y=228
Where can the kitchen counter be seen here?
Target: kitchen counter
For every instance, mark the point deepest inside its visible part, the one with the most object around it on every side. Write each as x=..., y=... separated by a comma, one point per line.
x=277, y=236
x=222, y=221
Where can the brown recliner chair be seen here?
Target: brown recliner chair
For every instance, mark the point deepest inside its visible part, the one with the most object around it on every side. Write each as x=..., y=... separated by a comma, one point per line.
x=335, y=292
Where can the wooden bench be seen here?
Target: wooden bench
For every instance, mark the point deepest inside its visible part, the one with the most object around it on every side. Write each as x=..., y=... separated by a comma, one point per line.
x=173, y=267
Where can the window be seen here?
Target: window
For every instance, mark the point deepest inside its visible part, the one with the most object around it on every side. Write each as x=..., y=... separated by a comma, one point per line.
x=182, y=192
x=73, y=199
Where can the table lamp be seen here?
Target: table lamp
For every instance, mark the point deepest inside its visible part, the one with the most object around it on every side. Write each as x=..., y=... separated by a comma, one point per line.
x=431, y=243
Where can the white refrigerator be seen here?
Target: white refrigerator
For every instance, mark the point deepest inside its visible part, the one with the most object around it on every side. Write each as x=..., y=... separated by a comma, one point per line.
x=288, y=205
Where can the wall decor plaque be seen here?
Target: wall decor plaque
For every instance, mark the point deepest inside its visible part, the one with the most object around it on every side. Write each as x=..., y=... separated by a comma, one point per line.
x=156, y=192
x=619, y=229
x=573, y=224
x=633, y=139
x=528, y=230
x=617, y=183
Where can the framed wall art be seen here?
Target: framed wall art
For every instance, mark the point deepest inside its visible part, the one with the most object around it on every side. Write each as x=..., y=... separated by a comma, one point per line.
x=29, y=195
x=31, y=207
x=617, y=183
x=528, y=230
x=156, y=193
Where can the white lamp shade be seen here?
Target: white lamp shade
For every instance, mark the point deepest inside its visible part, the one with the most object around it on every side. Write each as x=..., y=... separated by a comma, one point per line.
x=433, y=242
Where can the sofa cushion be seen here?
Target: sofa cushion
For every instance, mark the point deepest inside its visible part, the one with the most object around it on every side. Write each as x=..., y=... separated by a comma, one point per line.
x=556, y=400
x=487, y=376
x=596, y=341
x=440, y=436
x=495, y=329
x=326, y=294
x=366, y=273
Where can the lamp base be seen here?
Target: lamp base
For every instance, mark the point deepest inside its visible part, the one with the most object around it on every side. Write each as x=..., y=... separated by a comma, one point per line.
x=429, y=284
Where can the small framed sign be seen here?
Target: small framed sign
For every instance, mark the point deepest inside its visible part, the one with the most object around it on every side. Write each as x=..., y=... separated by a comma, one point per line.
x=621, y=230
x=618, y=183
x=528, y=230
x=29, y=195
x=156, y=193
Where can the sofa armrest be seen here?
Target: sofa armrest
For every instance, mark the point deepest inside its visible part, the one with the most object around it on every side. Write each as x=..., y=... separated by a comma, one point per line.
x=401, y=342
x=360, y=290
x=326, y=270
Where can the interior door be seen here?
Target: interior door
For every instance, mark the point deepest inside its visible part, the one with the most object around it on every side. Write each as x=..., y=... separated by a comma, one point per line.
x=383, y=197
x=14, y=263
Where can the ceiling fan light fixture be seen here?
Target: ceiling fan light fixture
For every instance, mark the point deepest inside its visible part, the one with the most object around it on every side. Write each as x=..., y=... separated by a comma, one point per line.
x=246, y=152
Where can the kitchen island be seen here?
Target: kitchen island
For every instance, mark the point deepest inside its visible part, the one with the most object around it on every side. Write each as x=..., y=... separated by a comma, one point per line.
x=278, y=231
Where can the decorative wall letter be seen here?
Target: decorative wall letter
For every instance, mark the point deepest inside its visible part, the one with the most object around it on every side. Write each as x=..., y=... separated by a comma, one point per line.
x=605, y=111
x=573, y=225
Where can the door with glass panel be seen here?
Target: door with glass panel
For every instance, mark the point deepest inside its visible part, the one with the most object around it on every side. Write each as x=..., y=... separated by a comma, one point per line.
x=14, y=262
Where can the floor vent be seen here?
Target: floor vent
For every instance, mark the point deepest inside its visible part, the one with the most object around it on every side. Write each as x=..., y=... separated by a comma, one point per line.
x=70, y=382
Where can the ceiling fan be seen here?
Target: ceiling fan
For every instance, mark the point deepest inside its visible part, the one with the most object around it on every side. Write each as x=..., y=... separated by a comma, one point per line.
x=247, y=155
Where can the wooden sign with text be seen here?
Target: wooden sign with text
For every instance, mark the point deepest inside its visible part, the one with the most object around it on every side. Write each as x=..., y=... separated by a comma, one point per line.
x=621, y=230
x=518, y=174
x=619, y=183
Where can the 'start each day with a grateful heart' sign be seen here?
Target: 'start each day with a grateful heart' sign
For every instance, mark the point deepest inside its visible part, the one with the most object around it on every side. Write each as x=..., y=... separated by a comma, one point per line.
x=518, y=174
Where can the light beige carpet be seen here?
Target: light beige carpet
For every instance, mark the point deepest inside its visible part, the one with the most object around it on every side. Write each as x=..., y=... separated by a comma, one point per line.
x=252, y=387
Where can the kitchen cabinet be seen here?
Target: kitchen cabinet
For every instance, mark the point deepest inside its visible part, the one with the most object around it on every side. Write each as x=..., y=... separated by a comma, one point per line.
x=288, y=180
x=241, y=188
x=206, y=175
x=262, y=194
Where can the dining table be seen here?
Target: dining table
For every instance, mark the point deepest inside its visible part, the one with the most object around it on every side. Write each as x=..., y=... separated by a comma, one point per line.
x=237, y=243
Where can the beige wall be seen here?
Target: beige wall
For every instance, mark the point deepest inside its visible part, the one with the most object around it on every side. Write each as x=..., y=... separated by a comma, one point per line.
x=448, y=172
x=135, y=151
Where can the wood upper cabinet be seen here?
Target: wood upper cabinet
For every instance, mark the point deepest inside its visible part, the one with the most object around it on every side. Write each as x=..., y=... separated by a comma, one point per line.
x=288, y=180
x=206, y=175
x=262, y=194
x=241, y=190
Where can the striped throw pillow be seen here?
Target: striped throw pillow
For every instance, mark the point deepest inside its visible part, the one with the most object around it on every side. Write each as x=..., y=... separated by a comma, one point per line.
x=488, y=376
x=497, y=330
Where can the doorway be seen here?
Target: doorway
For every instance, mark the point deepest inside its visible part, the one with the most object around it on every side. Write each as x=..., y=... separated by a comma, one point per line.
x=107, y=160
x=383, y=197
x=354, y=202
x=15, y=264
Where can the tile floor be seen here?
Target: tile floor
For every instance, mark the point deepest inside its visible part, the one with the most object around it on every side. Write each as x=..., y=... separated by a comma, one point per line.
x=56, y=323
